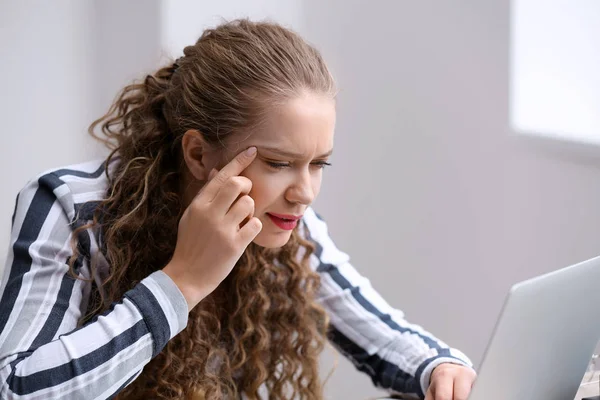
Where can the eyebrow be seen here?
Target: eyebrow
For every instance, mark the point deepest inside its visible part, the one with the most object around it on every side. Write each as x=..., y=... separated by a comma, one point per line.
x=290, y=154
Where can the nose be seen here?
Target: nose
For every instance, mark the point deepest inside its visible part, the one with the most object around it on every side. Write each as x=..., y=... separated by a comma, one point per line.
x=301, y=191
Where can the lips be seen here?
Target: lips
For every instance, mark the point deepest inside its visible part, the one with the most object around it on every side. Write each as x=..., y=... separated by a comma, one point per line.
x=284, y=221
x=286, y=216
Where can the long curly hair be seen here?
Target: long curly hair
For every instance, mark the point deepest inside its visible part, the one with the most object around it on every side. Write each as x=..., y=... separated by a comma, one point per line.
x=261, y=326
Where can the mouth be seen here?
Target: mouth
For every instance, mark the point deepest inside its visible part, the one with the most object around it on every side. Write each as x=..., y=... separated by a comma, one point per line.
x=285, y=222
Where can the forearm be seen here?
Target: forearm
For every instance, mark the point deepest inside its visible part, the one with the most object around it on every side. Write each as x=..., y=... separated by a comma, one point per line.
x=102, y=357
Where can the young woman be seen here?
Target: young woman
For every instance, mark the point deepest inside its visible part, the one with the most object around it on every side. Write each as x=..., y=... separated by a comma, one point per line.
x=189, y=263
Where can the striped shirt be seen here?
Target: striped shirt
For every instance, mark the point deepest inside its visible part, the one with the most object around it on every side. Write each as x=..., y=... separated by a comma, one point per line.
x=44, y=355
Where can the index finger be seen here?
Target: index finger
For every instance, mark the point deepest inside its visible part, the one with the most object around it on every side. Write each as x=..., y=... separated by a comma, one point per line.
x=233, y=168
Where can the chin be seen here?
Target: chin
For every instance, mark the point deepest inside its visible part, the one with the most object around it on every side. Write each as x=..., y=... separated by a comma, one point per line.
x=272, y=241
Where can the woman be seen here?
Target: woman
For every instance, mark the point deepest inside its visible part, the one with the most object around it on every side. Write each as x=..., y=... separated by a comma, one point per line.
x=189, y=264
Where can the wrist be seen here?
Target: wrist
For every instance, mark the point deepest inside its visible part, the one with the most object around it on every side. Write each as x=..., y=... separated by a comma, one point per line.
x=192, y=294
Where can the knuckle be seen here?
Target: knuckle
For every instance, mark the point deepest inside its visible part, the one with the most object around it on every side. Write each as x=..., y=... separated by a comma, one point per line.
x=230, y=244
x=445, y=369
x=235, y=183
x=197, y=208
x=242, y=183
x=220, y=229
x=248, y=201
x=246, y=181
x=229, y=247
x=445, y=373
x=254, y=225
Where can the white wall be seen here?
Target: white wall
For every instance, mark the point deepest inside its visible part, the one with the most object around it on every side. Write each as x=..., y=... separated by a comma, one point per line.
x=184, y=20
x=126, y=46
x=62, y=65
x=436, y=200
x=45, y=100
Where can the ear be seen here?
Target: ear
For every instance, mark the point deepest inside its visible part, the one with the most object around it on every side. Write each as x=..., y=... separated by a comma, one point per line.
x=197, y=154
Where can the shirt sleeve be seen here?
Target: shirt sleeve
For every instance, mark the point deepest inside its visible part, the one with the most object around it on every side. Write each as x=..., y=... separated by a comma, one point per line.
x=397, y=355
x=43, y=355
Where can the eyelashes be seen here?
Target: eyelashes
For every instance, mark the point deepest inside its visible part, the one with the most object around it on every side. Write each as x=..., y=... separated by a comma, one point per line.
x=280, y=166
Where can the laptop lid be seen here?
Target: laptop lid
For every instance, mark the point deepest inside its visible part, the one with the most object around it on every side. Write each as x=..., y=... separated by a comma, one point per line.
x=544, y=338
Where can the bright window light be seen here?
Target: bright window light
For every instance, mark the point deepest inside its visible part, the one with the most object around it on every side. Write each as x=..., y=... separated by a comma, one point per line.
x=555, y=69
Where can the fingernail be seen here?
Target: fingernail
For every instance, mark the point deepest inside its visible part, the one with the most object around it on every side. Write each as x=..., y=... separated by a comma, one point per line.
x=250, y=151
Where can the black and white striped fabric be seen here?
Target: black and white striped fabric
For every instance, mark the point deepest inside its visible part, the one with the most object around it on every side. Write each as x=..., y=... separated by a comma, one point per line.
x=44, y=356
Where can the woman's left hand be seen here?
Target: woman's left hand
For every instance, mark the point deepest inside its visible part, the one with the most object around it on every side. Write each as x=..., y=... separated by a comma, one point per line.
x=450, y=382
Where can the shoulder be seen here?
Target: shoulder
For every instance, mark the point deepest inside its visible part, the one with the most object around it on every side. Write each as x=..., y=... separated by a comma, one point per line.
x=77, y=187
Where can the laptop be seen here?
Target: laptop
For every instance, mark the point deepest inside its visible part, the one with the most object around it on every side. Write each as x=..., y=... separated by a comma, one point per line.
x=544, y=338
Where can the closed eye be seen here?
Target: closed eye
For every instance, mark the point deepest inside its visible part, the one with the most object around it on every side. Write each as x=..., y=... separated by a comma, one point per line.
x=279, y=165
x=322, y=164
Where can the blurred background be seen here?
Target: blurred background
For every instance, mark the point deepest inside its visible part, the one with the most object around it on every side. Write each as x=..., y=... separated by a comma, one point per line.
x=467, y=151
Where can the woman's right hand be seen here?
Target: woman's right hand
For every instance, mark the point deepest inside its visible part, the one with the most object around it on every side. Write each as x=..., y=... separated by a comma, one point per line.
x=211, y=237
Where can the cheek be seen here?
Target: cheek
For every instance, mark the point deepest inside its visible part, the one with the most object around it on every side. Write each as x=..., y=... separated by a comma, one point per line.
x=266, y=188
x=259, y=194
x=316, y=187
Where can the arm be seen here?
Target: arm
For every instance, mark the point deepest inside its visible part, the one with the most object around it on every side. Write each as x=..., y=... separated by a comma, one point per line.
x=397, y=355
x=42, y=353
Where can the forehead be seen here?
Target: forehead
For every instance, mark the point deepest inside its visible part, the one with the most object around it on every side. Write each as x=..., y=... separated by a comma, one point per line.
x=303, y=125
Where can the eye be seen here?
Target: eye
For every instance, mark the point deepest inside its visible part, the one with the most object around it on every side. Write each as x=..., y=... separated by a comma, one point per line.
x=322, y=164
x=282, y=165
x=277, y=165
